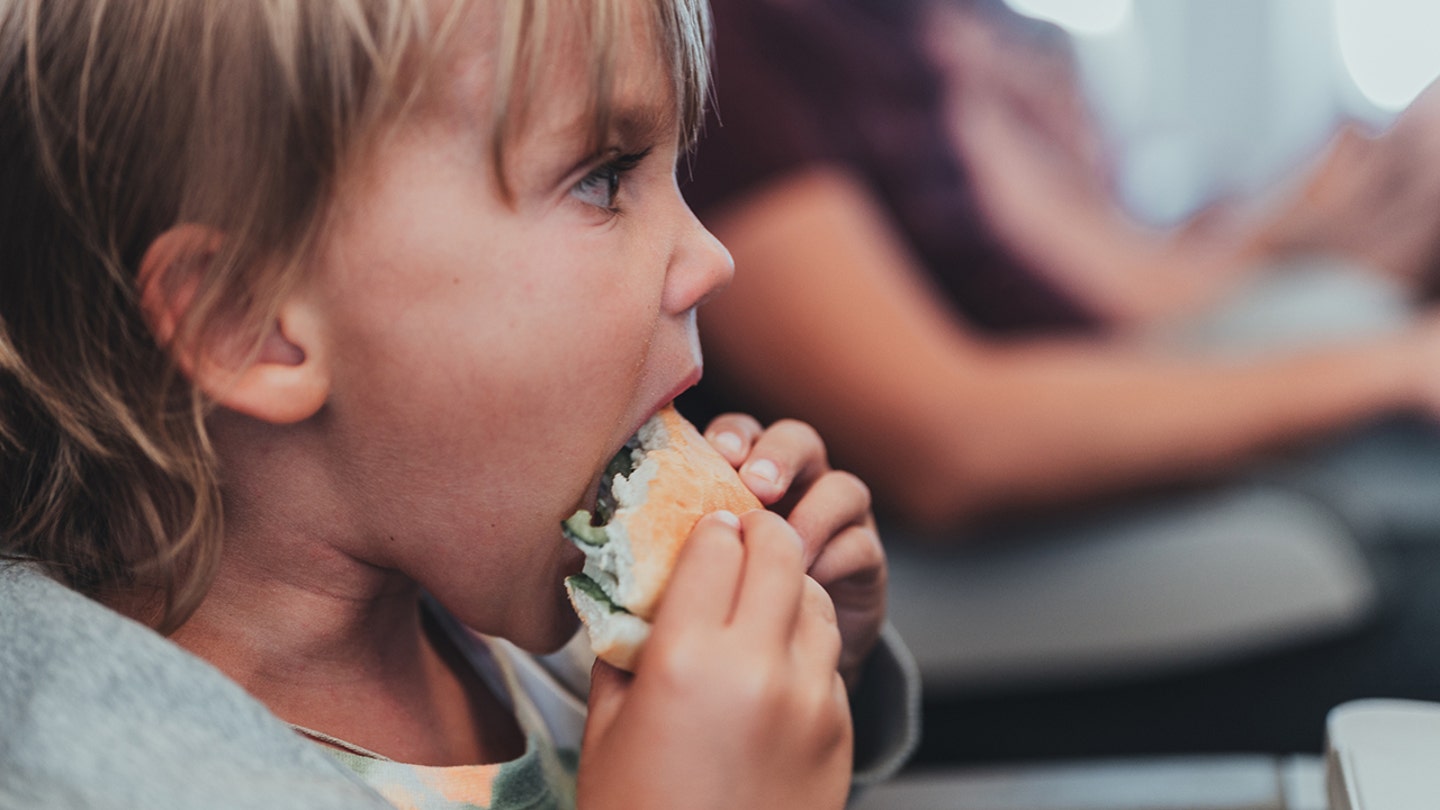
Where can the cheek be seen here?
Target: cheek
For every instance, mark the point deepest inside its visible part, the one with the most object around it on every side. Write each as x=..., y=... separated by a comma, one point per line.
x=493, y=410
x=484, y=368
x=592, y=320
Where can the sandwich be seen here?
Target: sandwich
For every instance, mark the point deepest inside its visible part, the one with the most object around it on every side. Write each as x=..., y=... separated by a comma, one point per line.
x=652, y=494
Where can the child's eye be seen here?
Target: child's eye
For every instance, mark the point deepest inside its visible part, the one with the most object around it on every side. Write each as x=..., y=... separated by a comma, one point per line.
x=601, y=186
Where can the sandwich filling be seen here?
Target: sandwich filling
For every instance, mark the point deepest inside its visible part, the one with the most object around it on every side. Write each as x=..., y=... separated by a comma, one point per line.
x=603, y=536
x=650, y=498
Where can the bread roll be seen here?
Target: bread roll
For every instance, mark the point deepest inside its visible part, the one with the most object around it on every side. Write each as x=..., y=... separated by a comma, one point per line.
x=656, y=490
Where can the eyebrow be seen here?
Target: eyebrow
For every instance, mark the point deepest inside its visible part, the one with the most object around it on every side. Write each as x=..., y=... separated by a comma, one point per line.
x=644, y=122
x=633, y=124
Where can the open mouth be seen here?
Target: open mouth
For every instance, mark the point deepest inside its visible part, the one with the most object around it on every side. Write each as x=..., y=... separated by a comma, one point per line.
x=622, y=465
x=591, y=533
x=655, y=491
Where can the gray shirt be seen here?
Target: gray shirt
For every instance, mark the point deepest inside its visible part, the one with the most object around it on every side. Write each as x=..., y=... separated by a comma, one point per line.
x=98, y=711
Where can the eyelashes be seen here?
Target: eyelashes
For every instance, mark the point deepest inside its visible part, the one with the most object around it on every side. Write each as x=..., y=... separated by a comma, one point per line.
x=601, y=186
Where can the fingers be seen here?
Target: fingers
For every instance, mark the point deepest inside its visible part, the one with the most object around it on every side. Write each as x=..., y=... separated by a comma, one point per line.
x=733, y=434
x=754, y=585
x=837, y=500
x=854, y=559
x=608, y=687
x=779, y=606
x=852, y=571
x=787, y=455
x=703, y=585
x=769, y=598
x=816, y=641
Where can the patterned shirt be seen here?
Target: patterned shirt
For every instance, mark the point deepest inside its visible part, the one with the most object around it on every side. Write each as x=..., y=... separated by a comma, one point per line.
x=543, y=778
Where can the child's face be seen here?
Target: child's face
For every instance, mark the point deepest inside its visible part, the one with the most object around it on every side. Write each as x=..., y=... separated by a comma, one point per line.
x=487, y=360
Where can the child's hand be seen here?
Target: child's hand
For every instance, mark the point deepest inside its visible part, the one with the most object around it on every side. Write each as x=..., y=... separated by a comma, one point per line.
x=786, y=467
x=735, y=701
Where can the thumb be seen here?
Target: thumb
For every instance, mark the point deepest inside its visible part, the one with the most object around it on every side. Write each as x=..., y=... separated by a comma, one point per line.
x=608, y=688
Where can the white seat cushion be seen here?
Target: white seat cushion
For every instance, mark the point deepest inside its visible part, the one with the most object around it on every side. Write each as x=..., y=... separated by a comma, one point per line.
x=1184, y=581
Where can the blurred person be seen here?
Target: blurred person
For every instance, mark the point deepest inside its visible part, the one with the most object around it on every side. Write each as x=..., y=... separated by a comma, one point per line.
x=934, y=271
x=1179, y=484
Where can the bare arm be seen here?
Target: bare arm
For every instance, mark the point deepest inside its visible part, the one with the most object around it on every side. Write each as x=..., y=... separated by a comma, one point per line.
x=1022, y=133
x=1373, y=198
x=1035, y=161
x=1071, y=229
x=829, y=320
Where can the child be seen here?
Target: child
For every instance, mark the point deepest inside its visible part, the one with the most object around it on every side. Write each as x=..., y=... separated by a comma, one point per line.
x=383, y=285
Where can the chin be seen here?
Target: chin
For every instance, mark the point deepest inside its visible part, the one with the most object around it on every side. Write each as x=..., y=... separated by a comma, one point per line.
x=548, y=638
x=540, y=622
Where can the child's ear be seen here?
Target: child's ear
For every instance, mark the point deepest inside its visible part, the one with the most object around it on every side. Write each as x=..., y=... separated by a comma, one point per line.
x=286, y=381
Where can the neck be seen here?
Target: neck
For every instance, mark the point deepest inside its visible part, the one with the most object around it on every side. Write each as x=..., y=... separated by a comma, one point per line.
x=336, y=645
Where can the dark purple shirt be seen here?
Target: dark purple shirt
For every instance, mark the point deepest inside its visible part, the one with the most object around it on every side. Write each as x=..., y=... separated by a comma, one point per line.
x=845, y=82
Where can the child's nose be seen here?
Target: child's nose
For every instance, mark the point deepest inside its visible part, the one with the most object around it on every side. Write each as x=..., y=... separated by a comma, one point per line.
x=700, y=268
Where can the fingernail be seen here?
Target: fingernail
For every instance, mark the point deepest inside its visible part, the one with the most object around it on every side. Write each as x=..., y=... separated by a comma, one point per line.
x=727, y=517
x=764, y=469
x=729, y=442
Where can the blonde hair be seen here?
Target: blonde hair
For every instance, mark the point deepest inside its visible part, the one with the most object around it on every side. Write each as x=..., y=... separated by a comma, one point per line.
x=119, y=120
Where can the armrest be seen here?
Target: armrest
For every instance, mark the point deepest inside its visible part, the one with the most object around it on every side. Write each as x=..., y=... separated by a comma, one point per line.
x=1383, y=755
x=1200, y=782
